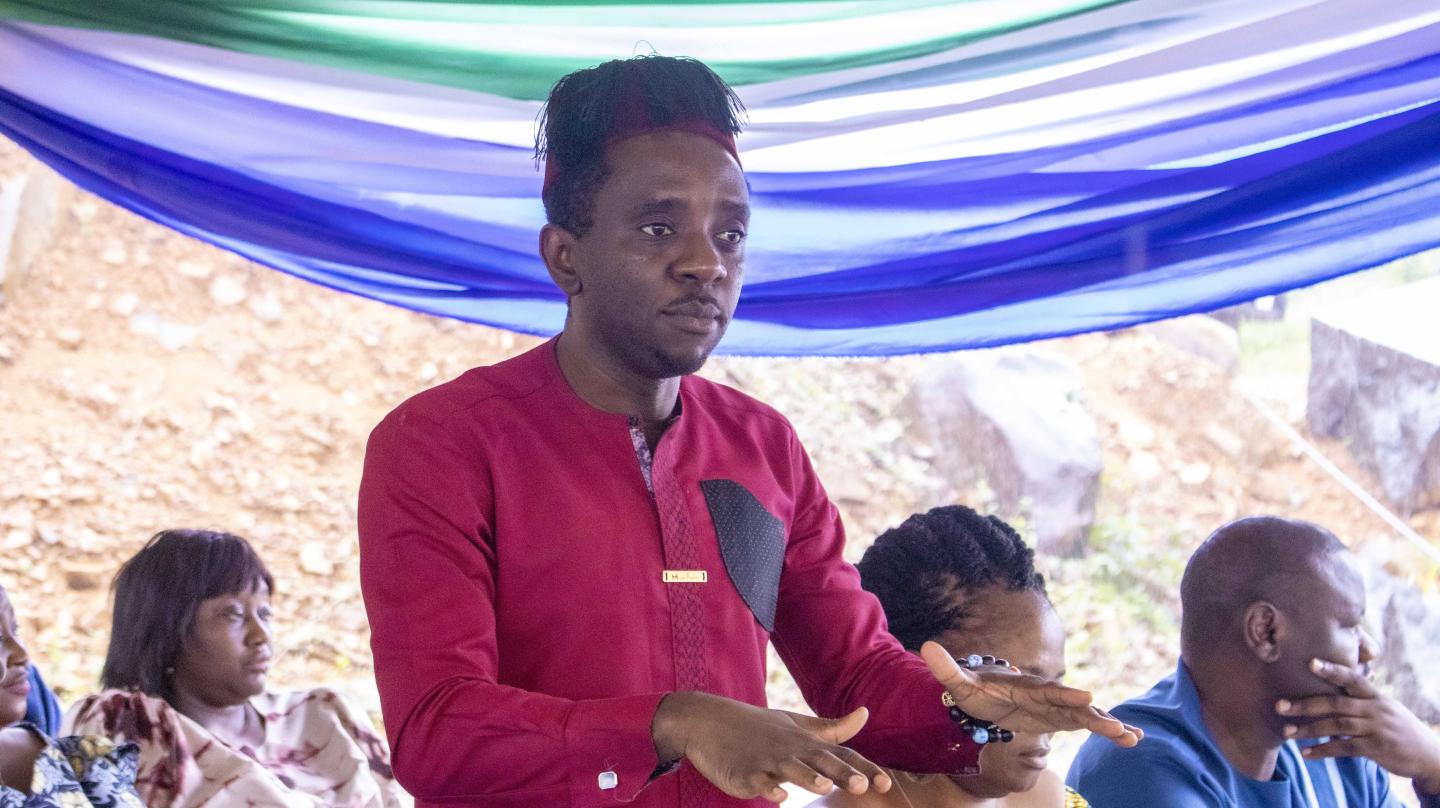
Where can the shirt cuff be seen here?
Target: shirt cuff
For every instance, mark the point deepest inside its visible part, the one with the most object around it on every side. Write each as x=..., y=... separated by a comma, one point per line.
x=925, y=741
x=612, y=753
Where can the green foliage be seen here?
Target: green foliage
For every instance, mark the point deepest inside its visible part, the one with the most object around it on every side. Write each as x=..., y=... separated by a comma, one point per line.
x=1121, y=606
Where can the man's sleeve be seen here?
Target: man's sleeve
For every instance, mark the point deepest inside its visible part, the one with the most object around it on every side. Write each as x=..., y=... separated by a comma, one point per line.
x=1131, y=778
x=833, y=638
x=1382, y=795
x=427, y=572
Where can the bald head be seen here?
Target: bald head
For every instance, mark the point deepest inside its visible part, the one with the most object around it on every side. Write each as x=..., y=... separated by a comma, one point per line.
x=1261, y=558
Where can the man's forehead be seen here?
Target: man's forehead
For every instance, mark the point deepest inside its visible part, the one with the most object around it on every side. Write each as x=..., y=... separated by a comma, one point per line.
x=1342, y=578
x=674, y=158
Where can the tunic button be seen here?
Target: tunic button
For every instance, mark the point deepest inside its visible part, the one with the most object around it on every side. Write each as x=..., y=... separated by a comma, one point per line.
x=608, y=780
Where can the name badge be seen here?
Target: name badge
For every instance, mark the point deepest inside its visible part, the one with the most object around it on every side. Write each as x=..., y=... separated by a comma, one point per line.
x=684, y=576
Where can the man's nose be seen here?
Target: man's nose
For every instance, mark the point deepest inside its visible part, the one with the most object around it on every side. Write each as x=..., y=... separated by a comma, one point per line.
x=700, y=260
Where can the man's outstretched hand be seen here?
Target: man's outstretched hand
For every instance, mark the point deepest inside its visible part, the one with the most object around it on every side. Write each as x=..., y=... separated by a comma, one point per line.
x=748, y=751
x=1023, y=703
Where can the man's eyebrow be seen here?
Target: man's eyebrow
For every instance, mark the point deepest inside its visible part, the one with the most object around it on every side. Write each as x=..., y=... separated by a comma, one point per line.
x=736, y=208
x=655, y=207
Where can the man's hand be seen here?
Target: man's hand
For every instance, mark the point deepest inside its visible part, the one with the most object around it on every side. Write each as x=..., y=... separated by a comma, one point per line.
x=748, y=751
x=1362, y=721
x=1023, y=703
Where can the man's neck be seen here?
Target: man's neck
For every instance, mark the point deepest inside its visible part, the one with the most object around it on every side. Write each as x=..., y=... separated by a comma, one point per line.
x=1239, y=719
x=608, y=386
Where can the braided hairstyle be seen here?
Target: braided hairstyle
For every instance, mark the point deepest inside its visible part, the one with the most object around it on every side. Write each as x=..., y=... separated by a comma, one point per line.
x=585, y=106
x=926, y=571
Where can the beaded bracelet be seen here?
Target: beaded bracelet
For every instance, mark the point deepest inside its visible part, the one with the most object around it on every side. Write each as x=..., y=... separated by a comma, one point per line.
x=981, y=732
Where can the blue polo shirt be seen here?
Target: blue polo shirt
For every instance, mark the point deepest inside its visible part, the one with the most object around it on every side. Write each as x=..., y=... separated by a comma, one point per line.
x=1178, y=765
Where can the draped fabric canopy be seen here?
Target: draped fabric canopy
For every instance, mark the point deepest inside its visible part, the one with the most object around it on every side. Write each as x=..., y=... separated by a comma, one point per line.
x=926, y=175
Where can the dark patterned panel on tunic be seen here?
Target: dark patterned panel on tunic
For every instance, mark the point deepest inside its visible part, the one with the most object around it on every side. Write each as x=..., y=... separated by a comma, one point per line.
x=752, y=542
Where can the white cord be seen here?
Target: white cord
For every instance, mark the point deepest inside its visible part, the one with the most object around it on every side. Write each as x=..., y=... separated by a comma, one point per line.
x=1344, y=479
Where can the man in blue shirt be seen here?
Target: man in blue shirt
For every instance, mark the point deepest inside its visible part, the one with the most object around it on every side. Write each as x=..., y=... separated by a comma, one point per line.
x=1270, y=705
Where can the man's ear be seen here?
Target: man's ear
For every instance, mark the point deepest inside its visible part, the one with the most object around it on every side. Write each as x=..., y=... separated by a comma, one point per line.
x=557, y=249
x=1264, y=627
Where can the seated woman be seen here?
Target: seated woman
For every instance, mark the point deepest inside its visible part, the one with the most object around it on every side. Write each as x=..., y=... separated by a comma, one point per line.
x=185, y=678
x=37, y=771
x=969, y=583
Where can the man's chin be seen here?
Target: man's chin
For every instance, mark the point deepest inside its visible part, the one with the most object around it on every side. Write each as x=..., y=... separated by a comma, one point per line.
x=669, y=364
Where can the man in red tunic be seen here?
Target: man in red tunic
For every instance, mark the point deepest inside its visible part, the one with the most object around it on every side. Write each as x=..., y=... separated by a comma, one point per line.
x=573, y=560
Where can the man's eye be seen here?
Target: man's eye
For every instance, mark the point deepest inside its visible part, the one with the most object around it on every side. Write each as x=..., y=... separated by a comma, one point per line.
x=656, y=229
x=732, y=236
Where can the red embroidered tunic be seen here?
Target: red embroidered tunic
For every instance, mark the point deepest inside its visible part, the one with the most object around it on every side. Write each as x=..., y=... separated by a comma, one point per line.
x=511, y=559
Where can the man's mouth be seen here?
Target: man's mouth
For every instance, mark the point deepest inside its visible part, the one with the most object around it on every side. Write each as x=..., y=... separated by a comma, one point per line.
x=700, y=309
x=697, y=315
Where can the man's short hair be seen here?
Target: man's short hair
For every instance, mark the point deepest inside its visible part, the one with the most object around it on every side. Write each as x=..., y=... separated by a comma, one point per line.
x=587, y=108
x=1248, y=560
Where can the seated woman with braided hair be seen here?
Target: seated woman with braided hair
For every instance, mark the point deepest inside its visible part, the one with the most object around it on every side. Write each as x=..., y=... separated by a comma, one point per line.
x=189, y=653
x=969, y=583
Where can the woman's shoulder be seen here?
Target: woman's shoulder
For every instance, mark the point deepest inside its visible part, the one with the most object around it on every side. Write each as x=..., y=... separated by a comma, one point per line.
x=127, y=714
x=20, y=745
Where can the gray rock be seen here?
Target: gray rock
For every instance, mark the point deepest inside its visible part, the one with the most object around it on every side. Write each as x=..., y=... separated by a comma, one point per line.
x=31, y=208
x=70, y=338
x=227, y=290
x=1375, y=383
x=1405, y=622
x=1200, y=336
x=1016, y=418
x=1409, y=656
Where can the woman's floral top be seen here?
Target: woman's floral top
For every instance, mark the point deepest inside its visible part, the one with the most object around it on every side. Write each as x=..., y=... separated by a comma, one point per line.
x=320, y=751
x=79, y=772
